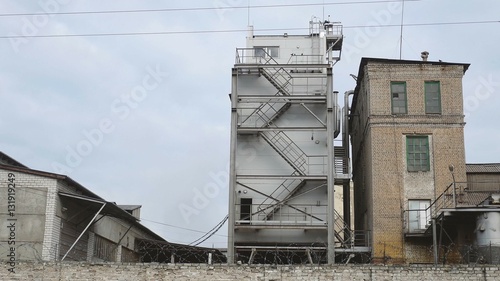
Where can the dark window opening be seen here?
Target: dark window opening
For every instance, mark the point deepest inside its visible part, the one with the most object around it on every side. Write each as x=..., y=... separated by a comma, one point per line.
x=245, y=209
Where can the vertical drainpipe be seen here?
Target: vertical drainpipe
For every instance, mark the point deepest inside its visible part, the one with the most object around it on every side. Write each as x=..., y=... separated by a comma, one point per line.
x=345, y=143
x=232, y=169
x=330, y=128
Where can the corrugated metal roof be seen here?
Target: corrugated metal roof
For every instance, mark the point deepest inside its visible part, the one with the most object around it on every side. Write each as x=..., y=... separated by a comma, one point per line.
x=129, y=207
x=483, y=168
x=6, y=159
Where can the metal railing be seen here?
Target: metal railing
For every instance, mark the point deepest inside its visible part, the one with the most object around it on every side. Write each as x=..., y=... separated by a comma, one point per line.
x=307, y=59
x=330, y=28
x=252, y=56
x=317, y=164
x=287, y=215
x=261, y=56
x=456, y=195
x=334, y=29
x=459, y=195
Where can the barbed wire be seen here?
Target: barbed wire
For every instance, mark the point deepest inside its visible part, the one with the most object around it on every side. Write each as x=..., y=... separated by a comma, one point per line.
x=147, y=251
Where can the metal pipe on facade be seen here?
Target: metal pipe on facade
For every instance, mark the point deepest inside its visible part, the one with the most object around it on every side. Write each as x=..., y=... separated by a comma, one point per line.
x=346, y=112
x=452, y=168
x=434, y=242
x=345, y=135
x=345, y=143
x=232, y=172
x=330, y=173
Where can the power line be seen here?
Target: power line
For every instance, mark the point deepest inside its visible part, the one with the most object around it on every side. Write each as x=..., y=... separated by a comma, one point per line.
x=425, y=24
x=209, y=233
x=202, y=8
x=234, y=30
x=188, y=229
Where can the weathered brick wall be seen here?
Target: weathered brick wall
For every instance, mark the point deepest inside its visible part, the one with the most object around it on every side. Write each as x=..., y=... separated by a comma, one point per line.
x=24, y=207
x=381, y=179
x=116, y=271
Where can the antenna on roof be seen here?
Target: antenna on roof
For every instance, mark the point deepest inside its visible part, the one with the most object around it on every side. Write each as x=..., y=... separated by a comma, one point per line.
x=401, y=35
x=248, y=13
x=323, y=10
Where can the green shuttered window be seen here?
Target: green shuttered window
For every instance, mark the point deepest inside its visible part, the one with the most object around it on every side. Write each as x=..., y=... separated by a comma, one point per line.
x=417, y=153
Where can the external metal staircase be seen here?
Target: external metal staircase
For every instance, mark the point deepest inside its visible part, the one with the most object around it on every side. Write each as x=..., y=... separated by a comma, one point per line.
x=270, y=111
x=456, y=196
x=287, y=149
x=267, y=113
x=264, y=116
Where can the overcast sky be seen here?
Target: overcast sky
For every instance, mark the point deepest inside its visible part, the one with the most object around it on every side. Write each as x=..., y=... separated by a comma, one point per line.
x=144, y=119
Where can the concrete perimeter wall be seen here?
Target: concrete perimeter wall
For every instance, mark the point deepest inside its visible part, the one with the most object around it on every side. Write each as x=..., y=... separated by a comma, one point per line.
x=76, y=271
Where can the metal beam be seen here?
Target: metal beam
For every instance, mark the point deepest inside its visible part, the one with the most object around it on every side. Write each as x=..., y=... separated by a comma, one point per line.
x=81, y=234
x=281, y=226
x=278, y=65
x=284, y=177
x=434, y=242
x=252, y=256
x=232, y=167
x=330, y=124
x=308, y=252
x=278, y=202
x=264, y=100
x=257, y=130
x=280, y=247
x=314, y=115
x=294, y=97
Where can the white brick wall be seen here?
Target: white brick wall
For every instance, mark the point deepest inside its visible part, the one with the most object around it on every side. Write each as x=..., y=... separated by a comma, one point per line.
x=203, y=272
x=30, y=207
x=50, y=250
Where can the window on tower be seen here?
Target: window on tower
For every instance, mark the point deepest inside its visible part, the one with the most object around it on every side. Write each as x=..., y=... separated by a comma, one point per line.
x=417, y=153
x=432, y=97
x=399, y=98
x=266, y=52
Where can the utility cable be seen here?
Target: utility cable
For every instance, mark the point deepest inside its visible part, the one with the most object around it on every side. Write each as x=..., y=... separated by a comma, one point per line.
x=233, y=30
x=183, y=228
x=202, y=8
x=210, y=233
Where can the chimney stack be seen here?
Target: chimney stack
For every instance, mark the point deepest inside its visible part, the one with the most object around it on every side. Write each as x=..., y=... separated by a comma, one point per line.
x=424, y=55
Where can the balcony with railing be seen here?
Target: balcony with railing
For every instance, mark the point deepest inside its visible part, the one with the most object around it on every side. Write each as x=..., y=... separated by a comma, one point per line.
x=457, y=196
x=285, y=215
x=262, y=56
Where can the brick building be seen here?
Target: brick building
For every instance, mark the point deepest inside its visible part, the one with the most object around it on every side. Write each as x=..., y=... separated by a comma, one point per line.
x=50, y=217
x=407, y=129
